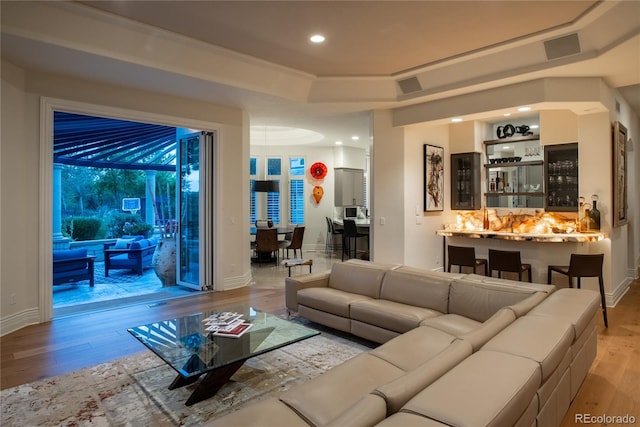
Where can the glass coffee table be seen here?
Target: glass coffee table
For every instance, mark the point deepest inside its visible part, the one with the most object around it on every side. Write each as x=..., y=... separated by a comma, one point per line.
x=185, y=345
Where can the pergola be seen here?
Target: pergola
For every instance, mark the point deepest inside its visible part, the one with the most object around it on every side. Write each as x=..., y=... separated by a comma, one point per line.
x=100, y=142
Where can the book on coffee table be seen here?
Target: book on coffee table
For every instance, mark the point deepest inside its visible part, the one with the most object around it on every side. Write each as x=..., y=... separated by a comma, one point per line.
x=235, y=332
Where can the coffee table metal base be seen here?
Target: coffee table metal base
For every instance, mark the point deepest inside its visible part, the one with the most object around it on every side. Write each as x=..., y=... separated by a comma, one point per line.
x=210, y=383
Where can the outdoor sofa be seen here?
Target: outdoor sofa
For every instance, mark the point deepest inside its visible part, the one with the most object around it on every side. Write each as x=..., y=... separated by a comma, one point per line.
x=129, y=253
x=458, y=350
x=72, y=265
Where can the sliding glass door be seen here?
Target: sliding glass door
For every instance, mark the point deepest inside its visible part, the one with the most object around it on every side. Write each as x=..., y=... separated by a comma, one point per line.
x=194, y=245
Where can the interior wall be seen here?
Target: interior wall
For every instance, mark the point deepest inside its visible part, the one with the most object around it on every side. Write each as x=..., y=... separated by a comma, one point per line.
x=423, y=248
x=21, y=94
x=388, y=186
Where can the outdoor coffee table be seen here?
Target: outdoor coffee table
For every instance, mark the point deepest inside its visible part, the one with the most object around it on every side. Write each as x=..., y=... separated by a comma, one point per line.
x=185, y=345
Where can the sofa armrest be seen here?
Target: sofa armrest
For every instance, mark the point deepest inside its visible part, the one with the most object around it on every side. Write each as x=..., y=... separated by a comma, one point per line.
x=294, y=284
x=368, y=411
x=399, y=391
x=489, y=328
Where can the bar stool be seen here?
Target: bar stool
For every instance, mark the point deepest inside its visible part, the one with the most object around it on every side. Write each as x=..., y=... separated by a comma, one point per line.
x=463, y=256
x=581, y=265
x=508, y=261
x=351, y=232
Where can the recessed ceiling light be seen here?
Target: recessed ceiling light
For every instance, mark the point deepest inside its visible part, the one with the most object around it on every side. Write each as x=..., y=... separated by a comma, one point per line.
x=355, y=137
x=521, y=109
x=317, y=38
x=456, y=119
x=338, y=142
x=507, y=114
x=534, y=126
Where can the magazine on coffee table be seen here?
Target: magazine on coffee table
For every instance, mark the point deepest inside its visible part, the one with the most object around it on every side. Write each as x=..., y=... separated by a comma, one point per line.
x=236, y=332
x=224, y=318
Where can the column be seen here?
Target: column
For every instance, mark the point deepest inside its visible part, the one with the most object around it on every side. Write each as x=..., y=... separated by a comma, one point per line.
x=59, y=241
x=150, y=212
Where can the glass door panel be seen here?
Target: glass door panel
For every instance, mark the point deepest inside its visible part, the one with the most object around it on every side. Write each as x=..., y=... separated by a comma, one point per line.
x=188, y=249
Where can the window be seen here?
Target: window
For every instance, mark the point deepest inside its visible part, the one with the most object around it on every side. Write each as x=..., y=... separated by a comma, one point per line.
x=253, y=171
x=296, y=190
x=274, y=170
x=273, y=206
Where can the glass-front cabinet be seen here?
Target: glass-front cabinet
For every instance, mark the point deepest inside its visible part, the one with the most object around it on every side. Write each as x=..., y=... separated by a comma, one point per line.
x=515, y=172
x=561, y=177
x=465, y=181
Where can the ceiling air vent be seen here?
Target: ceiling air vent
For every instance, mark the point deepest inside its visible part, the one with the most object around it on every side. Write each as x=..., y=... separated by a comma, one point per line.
x=562, y=46
x=409, y=85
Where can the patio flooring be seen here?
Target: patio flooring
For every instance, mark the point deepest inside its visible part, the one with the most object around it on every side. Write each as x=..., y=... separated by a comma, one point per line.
x=122, y=287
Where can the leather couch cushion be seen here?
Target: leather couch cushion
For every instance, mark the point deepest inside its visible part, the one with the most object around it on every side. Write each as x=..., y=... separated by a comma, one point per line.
x=390, y=315
x=577, y=306
x=358, y=279
x=325, y=397
x=329, y=300
x=479, y=301
x=486, y=389
x=543, y=340
x=489, y=329
x=406, y=419
x=270, y=412
x=420, y=290
x=413, y=348
x=535, y=287
x=453, y=324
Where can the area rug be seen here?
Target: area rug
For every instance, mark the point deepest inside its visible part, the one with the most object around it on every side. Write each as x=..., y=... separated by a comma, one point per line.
x=133, y=391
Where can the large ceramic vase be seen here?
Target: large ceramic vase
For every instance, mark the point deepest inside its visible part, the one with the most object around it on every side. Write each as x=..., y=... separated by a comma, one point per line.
x=164, y=261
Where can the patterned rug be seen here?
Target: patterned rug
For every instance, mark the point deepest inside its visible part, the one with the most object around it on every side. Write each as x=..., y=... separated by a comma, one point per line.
x=133, y=391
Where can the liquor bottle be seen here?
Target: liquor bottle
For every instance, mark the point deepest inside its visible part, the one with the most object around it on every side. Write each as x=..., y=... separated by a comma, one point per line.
x=586, y=219
x=594, y=214
x=580, y=214
x=485, y=220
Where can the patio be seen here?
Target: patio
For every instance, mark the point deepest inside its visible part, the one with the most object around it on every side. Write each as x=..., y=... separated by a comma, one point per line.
x=122, y=287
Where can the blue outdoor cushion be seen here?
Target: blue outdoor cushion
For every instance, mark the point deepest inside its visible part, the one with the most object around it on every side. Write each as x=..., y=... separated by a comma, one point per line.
x=123, y=243
x=62, y=255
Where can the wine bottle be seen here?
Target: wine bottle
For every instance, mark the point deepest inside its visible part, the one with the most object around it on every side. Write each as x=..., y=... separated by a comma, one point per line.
x=594, y=214
x=485, y=220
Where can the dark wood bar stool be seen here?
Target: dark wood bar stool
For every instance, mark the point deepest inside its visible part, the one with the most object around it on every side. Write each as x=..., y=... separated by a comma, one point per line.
x=508, y=261
x=351, y=233
x=581, y=265
x=463, y=256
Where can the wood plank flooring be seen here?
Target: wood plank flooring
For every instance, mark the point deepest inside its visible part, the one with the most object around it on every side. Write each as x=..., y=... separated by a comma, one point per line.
x=612, y=386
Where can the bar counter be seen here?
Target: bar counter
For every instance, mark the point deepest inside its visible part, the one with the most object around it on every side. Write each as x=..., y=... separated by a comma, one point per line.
x=532, y=237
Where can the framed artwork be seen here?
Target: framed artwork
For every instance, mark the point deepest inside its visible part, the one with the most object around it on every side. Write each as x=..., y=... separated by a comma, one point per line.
x=433, y=178
x=619, y=174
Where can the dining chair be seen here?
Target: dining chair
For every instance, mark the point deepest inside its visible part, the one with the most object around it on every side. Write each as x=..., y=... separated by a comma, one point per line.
x=507, y=261
x=351, y=233
x=583, y=265
x=295, y=243
x=464, y=256
x=267, y=245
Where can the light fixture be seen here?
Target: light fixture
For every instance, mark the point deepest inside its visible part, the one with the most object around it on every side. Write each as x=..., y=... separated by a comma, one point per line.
x=456, y=120
x=507, y=114
x=338, y=142
x=523, y=109
x=266, y=185
x=355, y=137
x=317, y=38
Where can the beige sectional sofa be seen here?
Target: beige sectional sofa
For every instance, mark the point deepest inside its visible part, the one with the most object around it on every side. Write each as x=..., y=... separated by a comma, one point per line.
x=457, y=350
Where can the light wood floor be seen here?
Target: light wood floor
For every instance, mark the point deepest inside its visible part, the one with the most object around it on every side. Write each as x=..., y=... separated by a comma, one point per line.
x=612, y=386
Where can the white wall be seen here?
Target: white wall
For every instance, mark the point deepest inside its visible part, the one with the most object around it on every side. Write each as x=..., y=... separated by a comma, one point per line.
x=22, y=269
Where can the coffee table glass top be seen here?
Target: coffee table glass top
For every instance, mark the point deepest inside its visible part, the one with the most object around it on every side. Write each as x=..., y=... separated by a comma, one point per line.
x=185, y=345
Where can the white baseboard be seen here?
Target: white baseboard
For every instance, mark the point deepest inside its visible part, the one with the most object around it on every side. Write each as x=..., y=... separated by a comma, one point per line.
x=236, y=282
x=614, y=297
x=19, y=320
